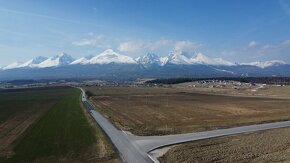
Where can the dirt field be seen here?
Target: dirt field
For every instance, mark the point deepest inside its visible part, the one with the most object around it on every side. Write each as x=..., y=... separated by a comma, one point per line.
x=158, y=111
x=266, y=146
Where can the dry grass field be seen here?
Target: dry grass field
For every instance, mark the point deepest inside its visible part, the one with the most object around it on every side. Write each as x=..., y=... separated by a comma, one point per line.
x=265, y=146
x=159, y=111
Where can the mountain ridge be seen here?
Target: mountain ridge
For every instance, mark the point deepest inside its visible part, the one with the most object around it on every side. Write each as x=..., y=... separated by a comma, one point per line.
x=109, y=56
x=110, y=64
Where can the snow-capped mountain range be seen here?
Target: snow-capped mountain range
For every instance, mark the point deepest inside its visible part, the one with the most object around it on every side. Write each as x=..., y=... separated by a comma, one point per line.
x=42, y=62
x=110, y=56
x=114, y=66
x=31, y=63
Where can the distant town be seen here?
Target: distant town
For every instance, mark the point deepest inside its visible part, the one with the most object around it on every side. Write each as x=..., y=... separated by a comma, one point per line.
x=234, y=83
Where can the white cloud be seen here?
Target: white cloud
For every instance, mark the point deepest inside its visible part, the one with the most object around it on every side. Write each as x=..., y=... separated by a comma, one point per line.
x=286, y=43
x=274, y=48
x=261, y=51
x=253, y=44
x=141, y=45
x=89, y=41
x=133, y=46
x=186, y=46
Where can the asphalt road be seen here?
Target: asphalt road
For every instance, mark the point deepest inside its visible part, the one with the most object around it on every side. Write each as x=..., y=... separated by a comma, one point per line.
x=126, y=148
x=135, y=149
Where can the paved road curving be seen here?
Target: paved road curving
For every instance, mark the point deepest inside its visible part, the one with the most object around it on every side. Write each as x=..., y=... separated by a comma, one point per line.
x=135, y=149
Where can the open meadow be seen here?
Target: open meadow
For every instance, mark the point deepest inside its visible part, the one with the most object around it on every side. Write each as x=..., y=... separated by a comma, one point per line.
x=160, y=111
x=49, y=125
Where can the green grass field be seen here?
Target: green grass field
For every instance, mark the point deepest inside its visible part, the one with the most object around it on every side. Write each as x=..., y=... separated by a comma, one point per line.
x=62, y=134
x=19, y=109
x=13, y=103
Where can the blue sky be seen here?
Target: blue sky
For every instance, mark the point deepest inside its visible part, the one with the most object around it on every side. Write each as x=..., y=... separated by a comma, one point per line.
x=236, y=30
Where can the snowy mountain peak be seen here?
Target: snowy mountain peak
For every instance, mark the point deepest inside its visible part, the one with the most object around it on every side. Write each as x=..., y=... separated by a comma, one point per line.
x=110, y=56
x=203, y=59
x=58, y=60
x=82, y=60
x=178, y=57
x=38, y=59
x=109, y=51
x=65, y=59
x=62, y=54
x=149, y=58
x=265, y=64
x=12, y=66
x=33, y=62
